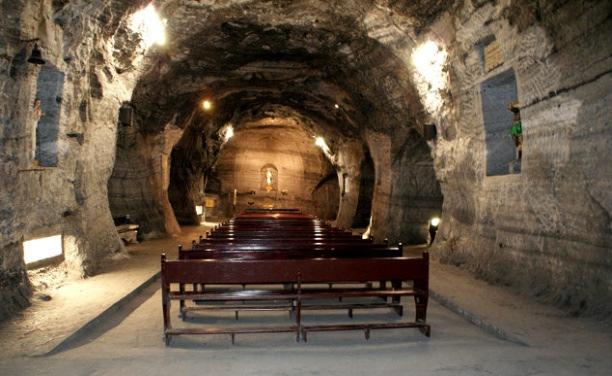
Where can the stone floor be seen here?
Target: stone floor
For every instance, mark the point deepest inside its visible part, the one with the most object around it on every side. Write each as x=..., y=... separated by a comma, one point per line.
x=477, y=329
x=45, y=324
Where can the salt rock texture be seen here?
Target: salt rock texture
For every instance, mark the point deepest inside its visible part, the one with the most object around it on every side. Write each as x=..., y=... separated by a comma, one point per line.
x=545, y=231
x=302, y=176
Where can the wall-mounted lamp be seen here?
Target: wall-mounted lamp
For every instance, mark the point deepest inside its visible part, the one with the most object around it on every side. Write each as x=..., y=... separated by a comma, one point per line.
x=433, y=228
x=36, y=56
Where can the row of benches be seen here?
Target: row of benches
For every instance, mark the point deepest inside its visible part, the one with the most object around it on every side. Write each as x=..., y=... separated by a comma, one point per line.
x=290, y=261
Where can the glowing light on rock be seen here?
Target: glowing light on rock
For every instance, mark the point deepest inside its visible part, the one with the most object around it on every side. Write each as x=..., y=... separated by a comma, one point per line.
x=227, y=132
x=435, y=221
x=41, y=249
x=366, y=234
x=320, y=142
x=336, y=106
x=429, y=60
x=199, y=209
x=207, y=105
x=150, y=26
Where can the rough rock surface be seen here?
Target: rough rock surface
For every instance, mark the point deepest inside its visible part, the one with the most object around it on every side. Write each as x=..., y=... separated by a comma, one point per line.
x=546, y=230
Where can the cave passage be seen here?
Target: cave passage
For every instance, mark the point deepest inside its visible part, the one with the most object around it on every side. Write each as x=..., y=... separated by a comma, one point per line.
x=130, y=127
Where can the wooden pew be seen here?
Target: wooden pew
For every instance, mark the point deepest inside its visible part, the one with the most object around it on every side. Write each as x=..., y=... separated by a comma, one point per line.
x=286, y=246
x=296, y=272
x=273, y=210
x=249, y=250
x=283, y=254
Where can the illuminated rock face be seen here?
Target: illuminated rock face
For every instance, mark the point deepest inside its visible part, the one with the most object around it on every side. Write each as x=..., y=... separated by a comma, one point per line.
x=297, y=170
x=547, y=229
x=370, y=78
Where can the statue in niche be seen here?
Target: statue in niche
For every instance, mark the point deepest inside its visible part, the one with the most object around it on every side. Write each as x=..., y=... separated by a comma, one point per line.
x=516, y=131
x=37, y=114
x=269, y=175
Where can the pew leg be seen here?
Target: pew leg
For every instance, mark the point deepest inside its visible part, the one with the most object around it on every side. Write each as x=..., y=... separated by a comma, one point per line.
x=367, y=334
x=305, y=335
x=383, y=286
x=421, y=308
x=298, y=312
x=350, y=312
x=233, y=335
x=399, y=309
x=166, y=308
x=182, y=302
x=195, y=287
x=420, y=302
x=396, y=285
x=298, y=320
x=236, y=314
x=426, y=331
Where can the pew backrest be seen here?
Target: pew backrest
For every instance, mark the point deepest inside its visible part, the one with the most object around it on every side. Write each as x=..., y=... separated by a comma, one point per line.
x=322, y=270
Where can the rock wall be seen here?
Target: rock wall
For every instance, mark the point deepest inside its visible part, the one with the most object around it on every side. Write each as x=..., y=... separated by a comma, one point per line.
x=415, y=197
x=547, y=229
x=348, y=71
x=300, y=168
x=69, y=198
x=139, y=184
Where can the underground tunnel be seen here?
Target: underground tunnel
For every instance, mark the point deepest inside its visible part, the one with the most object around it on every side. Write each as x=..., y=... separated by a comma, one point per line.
x=475, y=131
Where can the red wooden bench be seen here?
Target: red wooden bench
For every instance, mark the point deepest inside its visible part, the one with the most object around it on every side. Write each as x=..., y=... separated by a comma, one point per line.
x=295, y=272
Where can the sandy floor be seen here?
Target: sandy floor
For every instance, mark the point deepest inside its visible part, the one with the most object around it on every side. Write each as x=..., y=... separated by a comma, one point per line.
x=131, y=342
x=456, y=348
x=44, y=324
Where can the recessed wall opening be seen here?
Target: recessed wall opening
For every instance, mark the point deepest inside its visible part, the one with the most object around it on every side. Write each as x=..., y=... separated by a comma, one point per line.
x=42, y=251
x=211, y=189
x=366, y=191
x=345, y=184
x=275, y=165
x=326, y=197
x=489, y=53
x=415, y=194
x=497, y=93
x=47, y=106
x=269, y=178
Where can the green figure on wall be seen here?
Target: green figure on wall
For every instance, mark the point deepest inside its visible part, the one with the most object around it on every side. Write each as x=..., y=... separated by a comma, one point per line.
x=516, y=131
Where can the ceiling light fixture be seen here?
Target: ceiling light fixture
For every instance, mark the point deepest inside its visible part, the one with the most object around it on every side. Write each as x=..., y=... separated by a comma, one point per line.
x=207, y=105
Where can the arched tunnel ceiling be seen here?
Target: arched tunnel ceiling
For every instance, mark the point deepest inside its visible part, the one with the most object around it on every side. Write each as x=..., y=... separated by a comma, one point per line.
x=280, y=58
